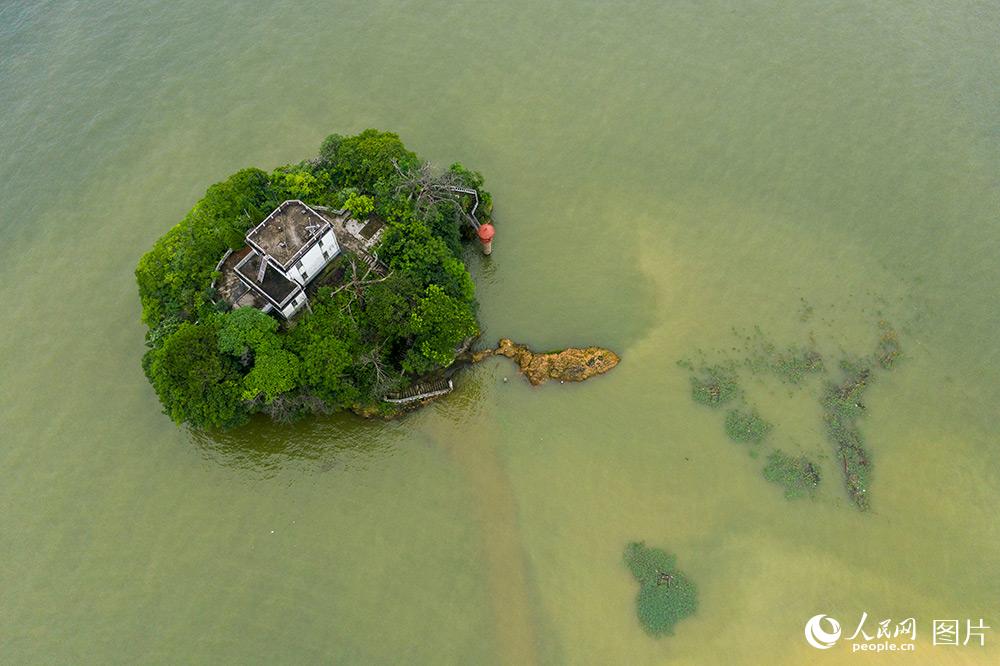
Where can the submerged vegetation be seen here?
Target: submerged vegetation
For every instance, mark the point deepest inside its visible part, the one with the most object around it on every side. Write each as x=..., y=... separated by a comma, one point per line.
x=888, y=346
x=798, y=476
x=666, y=596
x=791, y=365
x=715, y=386
x=715, y=383
x=746, y=426
x=212, y=367
x=841, y=408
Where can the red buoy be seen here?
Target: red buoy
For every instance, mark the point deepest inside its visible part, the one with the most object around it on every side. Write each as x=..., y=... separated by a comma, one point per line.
x=486, y=233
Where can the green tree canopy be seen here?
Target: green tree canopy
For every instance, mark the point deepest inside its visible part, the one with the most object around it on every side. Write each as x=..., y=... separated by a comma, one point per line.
x=247, y=329
x=326, y=369
x=388, y=306
x=193, y=380
x=440, y=323
x=275, y=371
x=295, y=182
x=362, y=161
x=328, y=342
x=360, y=205
x=174, y=277
x=415, y=250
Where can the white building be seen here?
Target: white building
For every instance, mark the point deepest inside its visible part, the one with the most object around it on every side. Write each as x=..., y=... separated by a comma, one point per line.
x=287, y=250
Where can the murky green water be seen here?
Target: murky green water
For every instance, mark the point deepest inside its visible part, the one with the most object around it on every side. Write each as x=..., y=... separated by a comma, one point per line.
x=663, y=172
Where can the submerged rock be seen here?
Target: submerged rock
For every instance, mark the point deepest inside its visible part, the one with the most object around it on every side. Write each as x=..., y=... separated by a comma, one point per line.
x=569, y=365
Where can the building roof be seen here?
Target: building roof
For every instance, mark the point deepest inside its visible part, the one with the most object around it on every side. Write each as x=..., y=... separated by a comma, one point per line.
x=288, y=232
x=278, y=288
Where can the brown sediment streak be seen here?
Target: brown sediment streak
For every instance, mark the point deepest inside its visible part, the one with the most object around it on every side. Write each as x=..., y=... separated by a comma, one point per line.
x=502, y=550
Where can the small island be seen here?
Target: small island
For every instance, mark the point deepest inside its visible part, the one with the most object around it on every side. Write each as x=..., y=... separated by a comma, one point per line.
x=334, y=283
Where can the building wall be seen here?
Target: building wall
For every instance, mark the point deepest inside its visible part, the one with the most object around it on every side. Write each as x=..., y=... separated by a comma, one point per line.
x=313, y=261
x=294, y=305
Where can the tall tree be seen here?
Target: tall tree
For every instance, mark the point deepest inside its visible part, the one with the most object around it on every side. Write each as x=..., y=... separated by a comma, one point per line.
x=440, y=323
x=246, y=330
x=195, y=383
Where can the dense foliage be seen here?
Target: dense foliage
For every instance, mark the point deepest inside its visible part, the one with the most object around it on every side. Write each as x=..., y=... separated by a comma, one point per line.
x=666, y=596
x=212, y=367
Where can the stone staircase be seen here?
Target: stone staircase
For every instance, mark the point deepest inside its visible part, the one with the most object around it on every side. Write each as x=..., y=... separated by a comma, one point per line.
x=421, y=391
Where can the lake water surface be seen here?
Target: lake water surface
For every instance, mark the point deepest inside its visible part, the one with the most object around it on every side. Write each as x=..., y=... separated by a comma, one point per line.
x=664, y=173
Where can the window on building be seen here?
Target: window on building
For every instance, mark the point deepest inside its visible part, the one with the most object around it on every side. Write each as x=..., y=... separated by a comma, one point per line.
x=298, y=264
x=326, y=255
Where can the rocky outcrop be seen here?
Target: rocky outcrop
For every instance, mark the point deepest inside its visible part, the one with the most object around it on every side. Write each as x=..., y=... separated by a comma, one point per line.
x=569, y=365
x=478, y=356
